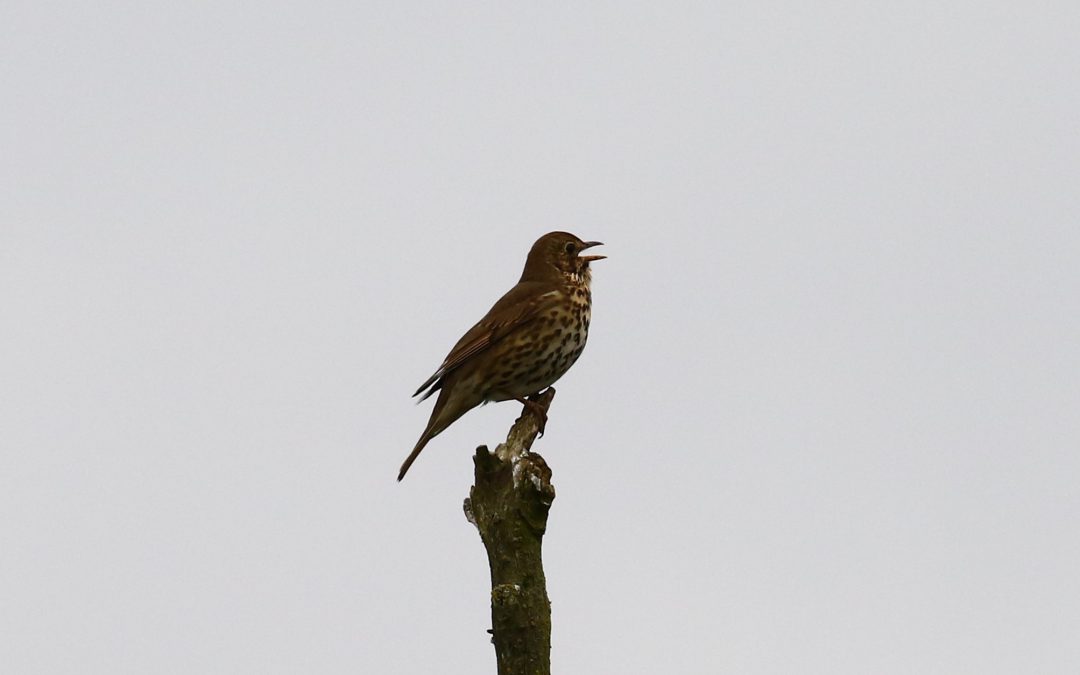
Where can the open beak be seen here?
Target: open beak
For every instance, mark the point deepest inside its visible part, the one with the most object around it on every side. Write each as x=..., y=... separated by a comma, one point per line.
x=590, y=258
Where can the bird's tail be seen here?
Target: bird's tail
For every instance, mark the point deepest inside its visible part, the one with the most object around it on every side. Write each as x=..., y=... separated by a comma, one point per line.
x=447, y=410
x=427, y=436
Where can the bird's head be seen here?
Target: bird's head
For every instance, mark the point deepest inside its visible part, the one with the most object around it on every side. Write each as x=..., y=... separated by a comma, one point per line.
x=558, y=253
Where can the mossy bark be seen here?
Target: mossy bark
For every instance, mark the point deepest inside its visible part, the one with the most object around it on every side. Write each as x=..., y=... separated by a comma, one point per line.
x=509, y=504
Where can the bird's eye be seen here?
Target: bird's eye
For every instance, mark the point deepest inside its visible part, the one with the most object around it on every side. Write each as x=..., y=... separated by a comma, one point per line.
x=570, y=247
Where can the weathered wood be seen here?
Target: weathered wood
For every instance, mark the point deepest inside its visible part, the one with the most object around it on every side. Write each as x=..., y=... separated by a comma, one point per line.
x=509, y=504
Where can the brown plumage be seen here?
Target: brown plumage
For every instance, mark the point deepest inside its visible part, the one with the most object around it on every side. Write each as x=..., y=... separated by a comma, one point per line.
x=526, y=342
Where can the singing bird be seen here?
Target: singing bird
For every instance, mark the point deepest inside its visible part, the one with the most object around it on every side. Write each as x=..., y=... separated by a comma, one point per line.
x=526, y=341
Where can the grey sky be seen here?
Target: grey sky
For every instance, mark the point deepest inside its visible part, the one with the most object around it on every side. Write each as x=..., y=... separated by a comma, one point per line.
x=826, y=422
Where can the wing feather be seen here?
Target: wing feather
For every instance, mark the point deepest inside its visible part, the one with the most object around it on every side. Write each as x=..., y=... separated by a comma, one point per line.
x=523, y=303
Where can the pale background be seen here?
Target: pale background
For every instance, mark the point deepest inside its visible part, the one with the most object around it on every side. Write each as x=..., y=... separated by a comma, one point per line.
x=828, y=417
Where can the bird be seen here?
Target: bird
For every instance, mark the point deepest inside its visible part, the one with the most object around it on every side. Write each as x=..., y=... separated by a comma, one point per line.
x=526, y=341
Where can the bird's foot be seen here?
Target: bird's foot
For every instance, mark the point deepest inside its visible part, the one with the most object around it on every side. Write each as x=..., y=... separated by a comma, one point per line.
x=537, y=410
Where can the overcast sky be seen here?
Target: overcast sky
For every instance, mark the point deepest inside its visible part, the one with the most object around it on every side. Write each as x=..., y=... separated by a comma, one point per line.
x=827, y=421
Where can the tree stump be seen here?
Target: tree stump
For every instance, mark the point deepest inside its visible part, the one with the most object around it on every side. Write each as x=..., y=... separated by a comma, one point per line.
x=508, y=503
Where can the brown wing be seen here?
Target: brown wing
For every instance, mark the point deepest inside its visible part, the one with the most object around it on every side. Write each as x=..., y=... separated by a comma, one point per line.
x=521, y=304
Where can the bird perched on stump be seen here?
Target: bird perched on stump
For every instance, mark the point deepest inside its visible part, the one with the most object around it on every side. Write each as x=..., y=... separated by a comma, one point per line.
x=526, y=342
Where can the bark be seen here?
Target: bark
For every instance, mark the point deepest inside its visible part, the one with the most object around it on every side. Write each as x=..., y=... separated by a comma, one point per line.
x=509, y=504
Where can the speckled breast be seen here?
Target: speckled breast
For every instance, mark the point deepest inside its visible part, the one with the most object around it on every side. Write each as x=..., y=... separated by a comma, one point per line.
x=544, y=355
x=567, y=331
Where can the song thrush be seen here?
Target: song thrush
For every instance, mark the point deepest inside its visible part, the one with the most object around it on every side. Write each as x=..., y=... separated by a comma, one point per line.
x=526, y=342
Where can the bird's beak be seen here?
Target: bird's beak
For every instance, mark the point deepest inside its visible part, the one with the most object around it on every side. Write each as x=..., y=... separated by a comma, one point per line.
x=590, y=258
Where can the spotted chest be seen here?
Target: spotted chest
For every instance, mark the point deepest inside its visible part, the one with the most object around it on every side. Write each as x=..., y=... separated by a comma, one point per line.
x=543, y=354
x=564, y=332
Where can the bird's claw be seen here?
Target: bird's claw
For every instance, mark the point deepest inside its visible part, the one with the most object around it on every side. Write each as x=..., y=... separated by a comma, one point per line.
x=539, y=412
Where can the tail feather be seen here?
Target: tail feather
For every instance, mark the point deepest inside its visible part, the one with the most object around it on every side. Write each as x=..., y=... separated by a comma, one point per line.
x=414, y=454
x=447, y=410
